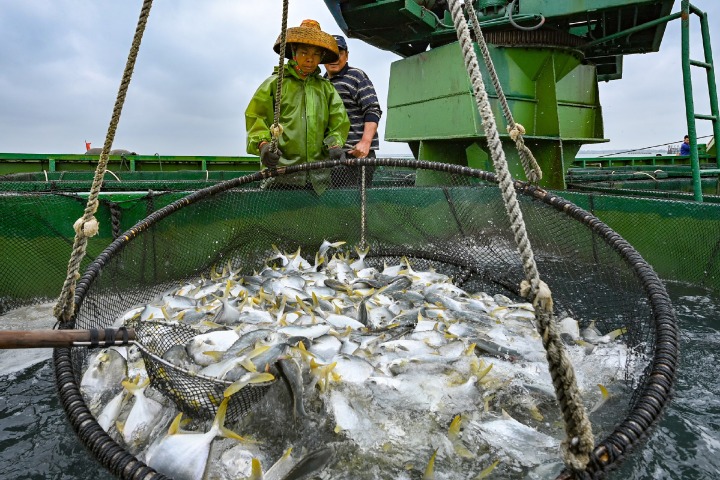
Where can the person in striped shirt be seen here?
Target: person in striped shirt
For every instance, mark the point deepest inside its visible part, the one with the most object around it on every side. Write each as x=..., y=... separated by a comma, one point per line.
x=363, y=108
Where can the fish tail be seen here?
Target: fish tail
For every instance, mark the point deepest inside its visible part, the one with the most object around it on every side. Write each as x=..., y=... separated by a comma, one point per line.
x=487, y=471
x=617, y=332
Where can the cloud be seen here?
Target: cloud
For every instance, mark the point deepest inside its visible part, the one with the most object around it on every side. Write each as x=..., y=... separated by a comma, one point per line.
x=200, y=62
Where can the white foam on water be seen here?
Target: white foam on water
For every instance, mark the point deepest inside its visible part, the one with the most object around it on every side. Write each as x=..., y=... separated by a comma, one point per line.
x=34, y=317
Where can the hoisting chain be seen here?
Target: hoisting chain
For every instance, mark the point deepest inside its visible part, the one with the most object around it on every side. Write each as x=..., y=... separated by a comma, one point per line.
x=276, y=129
x=87, y=225
x=579, y=443
x=532, y=170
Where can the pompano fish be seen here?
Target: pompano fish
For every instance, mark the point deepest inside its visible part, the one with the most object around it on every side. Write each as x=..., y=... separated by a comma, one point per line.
x=143, y=414
x=292, y=375
x=229, y=311
x=218, y=340
x=310, y=332
x=104, y=374
x=503, y=434
x=341, y=322
x=312, y=463
x=232, y=367
x=183, y=456
x=353, y=369
x=178, y=356
x=592, y=334
x=263, y=362
x=325, y=347
x=325, y=247
x=569, y=329
x=110, y=413
x=359, y=264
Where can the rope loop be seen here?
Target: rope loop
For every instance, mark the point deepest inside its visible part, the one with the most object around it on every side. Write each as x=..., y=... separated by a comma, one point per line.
x=540, y=295
x=86, y=228
x=515, y=131
x=276, y=130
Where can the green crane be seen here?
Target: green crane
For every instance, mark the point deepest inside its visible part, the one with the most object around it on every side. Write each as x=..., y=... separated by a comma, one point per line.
x=549, y=54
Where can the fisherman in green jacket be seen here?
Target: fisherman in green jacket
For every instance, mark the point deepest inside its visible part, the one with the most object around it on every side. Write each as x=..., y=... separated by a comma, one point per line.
x=314, y=122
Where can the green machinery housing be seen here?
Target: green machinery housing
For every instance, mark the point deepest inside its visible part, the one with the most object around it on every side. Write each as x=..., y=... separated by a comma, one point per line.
x=549, y=55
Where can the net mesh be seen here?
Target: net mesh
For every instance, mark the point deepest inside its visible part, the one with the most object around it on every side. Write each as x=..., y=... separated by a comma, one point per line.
x=451, y=219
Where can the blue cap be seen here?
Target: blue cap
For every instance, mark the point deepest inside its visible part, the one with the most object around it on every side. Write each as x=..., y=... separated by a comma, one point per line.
x=342, y=44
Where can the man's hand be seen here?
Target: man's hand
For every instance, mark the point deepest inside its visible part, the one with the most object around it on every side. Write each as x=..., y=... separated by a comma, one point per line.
x=268, y=158
x=361, y=150
x=335, y=153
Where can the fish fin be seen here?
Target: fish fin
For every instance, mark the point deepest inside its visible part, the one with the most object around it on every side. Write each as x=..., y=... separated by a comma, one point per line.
x=227, y=433
x=214, y=354
x=481, y=373
x=535, y=413
x=247, y=379
x=175, y=425
x=603, y=390
x=211, y=324
x=617, y=332
x=487, y=471
x=605, y=397
x=256, y=472
x=248, y=365
x=430, y=469
x=454, y=429
x=235, y=387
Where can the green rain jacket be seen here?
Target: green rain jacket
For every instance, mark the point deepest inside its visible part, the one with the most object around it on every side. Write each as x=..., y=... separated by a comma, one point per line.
x=313, y=118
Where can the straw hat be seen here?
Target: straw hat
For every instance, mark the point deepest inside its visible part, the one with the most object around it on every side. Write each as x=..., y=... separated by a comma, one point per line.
x=309, y=33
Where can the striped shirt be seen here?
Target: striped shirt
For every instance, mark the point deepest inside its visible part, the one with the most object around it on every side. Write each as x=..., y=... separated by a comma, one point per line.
x=361, y=102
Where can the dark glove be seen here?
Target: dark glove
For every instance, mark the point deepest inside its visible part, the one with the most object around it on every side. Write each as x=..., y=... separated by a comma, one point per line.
x=269, y=158
x=336, y=153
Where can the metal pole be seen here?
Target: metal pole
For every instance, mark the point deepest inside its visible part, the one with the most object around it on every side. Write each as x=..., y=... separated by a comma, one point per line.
x=712, y=86
x=629, y=31
x=689, y=103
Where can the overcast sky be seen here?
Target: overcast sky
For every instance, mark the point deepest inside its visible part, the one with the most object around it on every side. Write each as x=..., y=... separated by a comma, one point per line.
x=61, y=62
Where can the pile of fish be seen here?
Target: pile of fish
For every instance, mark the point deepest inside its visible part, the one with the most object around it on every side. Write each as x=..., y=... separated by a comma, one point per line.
x=393, y=372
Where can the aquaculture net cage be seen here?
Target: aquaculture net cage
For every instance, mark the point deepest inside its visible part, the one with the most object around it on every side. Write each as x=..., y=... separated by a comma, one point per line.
x=448, y=218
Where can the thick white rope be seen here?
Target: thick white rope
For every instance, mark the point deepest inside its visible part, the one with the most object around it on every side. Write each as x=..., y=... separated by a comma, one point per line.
x=580, y=442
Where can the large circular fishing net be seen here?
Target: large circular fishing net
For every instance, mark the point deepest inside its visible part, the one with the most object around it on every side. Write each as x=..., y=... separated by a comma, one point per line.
x=434, y=217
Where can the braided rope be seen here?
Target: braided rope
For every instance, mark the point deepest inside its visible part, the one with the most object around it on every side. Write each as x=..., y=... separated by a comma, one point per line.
x=577, y=447
x=87, y=226
x=276, y=129
x=115, y=217
x=532, y=170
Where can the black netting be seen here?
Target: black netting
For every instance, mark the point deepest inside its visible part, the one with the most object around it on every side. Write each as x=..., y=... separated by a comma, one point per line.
x=449, y=218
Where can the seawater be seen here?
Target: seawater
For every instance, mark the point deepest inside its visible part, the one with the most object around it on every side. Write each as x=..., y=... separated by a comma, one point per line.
x=38, y=443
